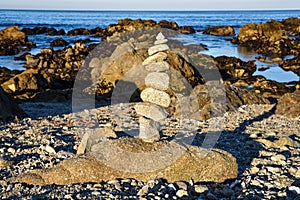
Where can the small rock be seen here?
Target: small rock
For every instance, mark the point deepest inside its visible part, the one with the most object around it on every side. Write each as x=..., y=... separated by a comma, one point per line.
x=159, y=57
x=50, y=149
x=273, y=170
x=157, y=80
x=254, y=170
x=158, y=67
x=181, y=185
x=155, y=96
x=11, y=150
x=295, y=189
x=96, y=193
x=200, y=189
x=157, y=42
x=278, y=158
x=287, y=141
x=158, y=48
x=4, y=163
x=151, y=111
x=181, y=193
x=143, y=191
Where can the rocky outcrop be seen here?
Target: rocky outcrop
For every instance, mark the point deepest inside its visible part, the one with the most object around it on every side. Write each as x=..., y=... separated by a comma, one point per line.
x=78, y=31
x=292, y=65
x=12, y=41
x=6, y=74
x=292, y=25
x=186, y=29
x=8, y=108
x=43, y=30
x=220, y=31
x=269, y=39
x=233, y=69
x=48, y=70
x=200, y=165
x=59, y=42
x=289, y=104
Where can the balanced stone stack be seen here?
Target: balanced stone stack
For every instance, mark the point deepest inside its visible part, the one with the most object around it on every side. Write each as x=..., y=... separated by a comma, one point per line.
x=152, y=112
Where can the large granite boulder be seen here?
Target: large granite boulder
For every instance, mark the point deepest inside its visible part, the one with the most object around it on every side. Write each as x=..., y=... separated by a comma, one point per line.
x=12, y=41
x=220, y=31
x=289, y=104
x=195, y=163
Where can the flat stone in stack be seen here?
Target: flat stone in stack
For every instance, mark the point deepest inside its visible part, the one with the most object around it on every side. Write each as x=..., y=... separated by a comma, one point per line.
x=158, y=57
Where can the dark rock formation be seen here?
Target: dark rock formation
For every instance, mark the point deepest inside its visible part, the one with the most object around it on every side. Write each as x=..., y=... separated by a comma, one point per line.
x=59, y=43
x=12, y=41
x=292, y=65
x=220, y=31
x=292, y=25
x=78, y=31
x=6, y=74
x=186, y=29
x=43, y=30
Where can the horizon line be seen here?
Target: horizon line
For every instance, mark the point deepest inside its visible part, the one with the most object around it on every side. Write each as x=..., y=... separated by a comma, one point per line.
x=147, y=10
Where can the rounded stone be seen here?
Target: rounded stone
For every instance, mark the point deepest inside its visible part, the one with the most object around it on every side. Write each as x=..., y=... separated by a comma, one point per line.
x=157, y=80
x=156, y=96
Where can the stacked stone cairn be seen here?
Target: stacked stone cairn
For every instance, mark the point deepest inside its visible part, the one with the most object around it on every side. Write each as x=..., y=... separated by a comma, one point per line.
x=153, y=110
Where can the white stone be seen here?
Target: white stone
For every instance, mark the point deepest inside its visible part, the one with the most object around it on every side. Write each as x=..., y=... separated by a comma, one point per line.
x=151, y=111
x=50, y=149
x=159, y=57
x=157, y=80
x=158, y=67
x=149, y=130
x=158, y=48
x=160, y=36
x=157, y=42
x=156, y=96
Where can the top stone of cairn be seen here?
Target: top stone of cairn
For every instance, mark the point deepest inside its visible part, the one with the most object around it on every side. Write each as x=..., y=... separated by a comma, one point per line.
x=160, y=39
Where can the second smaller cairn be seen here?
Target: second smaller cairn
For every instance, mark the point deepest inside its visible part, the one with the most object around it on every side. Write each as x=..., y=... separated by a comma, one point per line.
x=152, y=112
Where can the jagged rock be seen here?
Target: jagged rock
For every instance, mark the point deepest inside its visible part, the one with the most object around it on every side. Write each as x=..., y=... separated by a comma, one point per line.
x=78, y=31
x=220, y=31
x=149, y=130
x=200, y=165
x=158, y=48
x=292, y=25
x=156, y=96
x=6, y=74
x=42, y=30
x=269, y=39
x=292, y=65
x=186, y=29
x=12, y=41
x=158, y=57
x=157, y=80
x=151, y=111
x=157, y=67
x=59, y=42
x=289, y=104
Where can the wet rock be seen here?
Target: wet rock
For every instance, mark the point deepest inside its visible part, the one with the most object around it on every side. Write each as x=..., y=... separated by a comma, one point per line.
x=78, y=31
x=232, y=68
x=292, y=25
x=292, y=65
x=168, y=25
x=269, y=39
x=186, y=29
x=6, y=74
x=289, y=104
x=13, y=41
x=43, y=30
x=220, y=31
x=59, y=43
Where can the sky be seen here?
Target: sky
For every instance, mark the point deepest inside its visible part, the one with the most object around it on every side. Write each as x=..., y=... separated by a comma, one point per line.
x=150, y=5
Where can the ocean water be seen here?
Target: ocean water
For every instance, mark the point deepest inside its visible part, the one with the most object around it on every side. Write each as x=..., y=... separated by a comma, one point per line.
x=217, y=46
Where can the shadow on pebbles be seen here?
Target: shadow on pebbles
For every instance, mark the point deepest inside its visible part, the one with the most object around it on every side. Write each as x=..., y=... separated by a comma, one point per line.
x=36, y=153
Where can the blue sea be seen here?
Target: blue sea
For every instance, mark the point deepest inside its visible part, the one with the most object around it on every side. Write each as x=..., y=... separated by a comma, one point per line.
x=217, y=46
